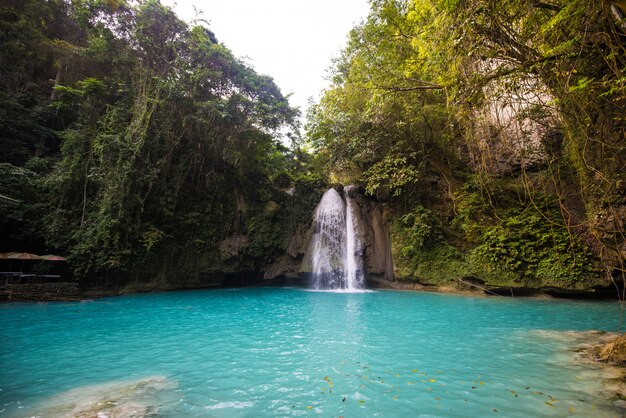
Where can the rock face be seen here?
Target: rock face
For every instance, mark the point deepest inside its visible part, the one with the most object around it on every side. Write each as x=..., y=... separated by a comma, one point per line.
x=506, y=134
x=374, y=233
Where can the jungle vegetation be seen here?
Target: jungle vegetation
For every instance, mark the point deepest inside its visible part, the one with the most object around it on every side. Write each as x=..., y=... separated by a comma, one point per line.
x=493, y=132
x=136, y=143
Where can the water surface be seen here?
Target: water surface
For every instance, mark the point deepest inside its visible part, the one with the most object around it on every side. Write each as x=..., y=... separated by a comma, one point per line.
x=291, y=352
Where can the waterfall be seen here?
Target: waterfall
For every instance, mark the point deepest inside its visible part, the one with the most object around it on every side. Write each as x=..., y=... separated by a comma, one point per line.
x=354, y=260
x=336, y=250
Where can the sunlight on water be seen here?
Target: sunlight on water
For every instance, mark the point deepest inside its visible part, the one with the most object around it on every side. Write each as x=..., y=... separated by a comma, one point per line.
x=289, y=352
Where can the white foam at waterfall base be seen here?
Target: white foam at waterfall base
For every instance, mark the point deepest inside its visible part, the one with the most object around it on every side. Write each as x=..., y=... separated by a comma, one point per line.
x=341, y=290
x=336, y=260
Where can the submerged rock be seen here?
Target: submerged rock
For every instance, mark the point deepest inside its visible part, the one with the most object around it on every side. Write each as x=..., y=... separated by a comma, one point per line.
x=604, y=381
x=614, y=351
x=136, y=398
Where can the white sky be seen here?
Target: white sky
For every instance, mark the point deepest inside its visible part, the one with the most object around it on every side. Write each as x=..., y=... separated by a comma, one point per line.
x=293, y=41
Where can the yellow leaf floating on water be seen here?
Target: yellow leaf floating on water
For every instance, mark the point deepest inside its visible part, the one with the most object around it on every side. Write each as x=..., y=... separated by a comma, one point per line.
x=395, y=398
x=414, y=370
x=432, y=380
x=309, y=407
x=571, y=410
x=550, y=404
x=482, y=383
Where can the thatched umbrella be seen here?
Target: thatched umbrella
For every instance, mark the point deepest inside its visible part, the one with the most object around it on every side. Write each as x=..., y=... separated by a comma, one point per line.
x=52, y=257
x=7, y=256
x=23, y=256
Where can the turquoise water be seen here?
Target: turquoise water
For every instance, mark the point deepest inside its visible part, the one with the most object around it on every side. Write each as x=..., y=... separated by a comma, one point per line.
x=291, y=352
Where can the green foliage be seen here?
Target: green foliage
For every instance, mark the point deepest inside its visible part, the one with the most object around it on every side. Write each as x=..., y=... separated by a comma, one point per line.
x=381, y=121
x=281, y=179
x=529, y=244
x=405, y=102
x=21, y=213
x=421, y=228
x=154, y=143
x=473, y=211
x=161, y=129
x=394, y=173
x=422, y=251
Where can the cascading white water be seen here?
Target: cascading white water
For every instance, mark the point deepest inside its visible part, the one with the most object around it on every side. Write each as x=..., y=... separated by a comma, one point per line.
x=336, y=251
x=329, y=242
x=353, y=261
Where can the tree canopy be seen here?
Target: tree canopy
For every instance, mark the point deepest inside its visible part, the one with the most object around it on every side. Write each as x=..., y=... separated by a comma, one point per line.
x=487, y=113
x=142, y=133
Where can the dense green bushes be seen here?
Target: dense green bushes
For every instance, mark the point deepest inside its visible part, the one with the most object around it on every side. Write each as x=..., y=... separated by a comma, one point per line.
x=534, y=245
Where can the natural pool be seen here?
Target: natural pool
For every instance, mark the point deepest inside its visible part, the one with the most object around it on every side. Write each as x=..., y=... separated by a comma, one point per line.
x=291, y=352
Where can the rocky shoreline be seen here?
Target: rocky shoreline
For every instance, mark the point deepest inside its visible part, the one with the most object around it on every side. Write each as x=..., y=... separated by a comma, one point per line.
x=72, y=291
x=473, y=287
x=603, y=352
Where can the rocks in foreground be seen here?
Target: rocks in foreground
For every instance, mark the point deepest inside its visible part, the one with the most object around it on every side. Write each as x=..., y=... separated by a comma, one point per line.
x=136, y=398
